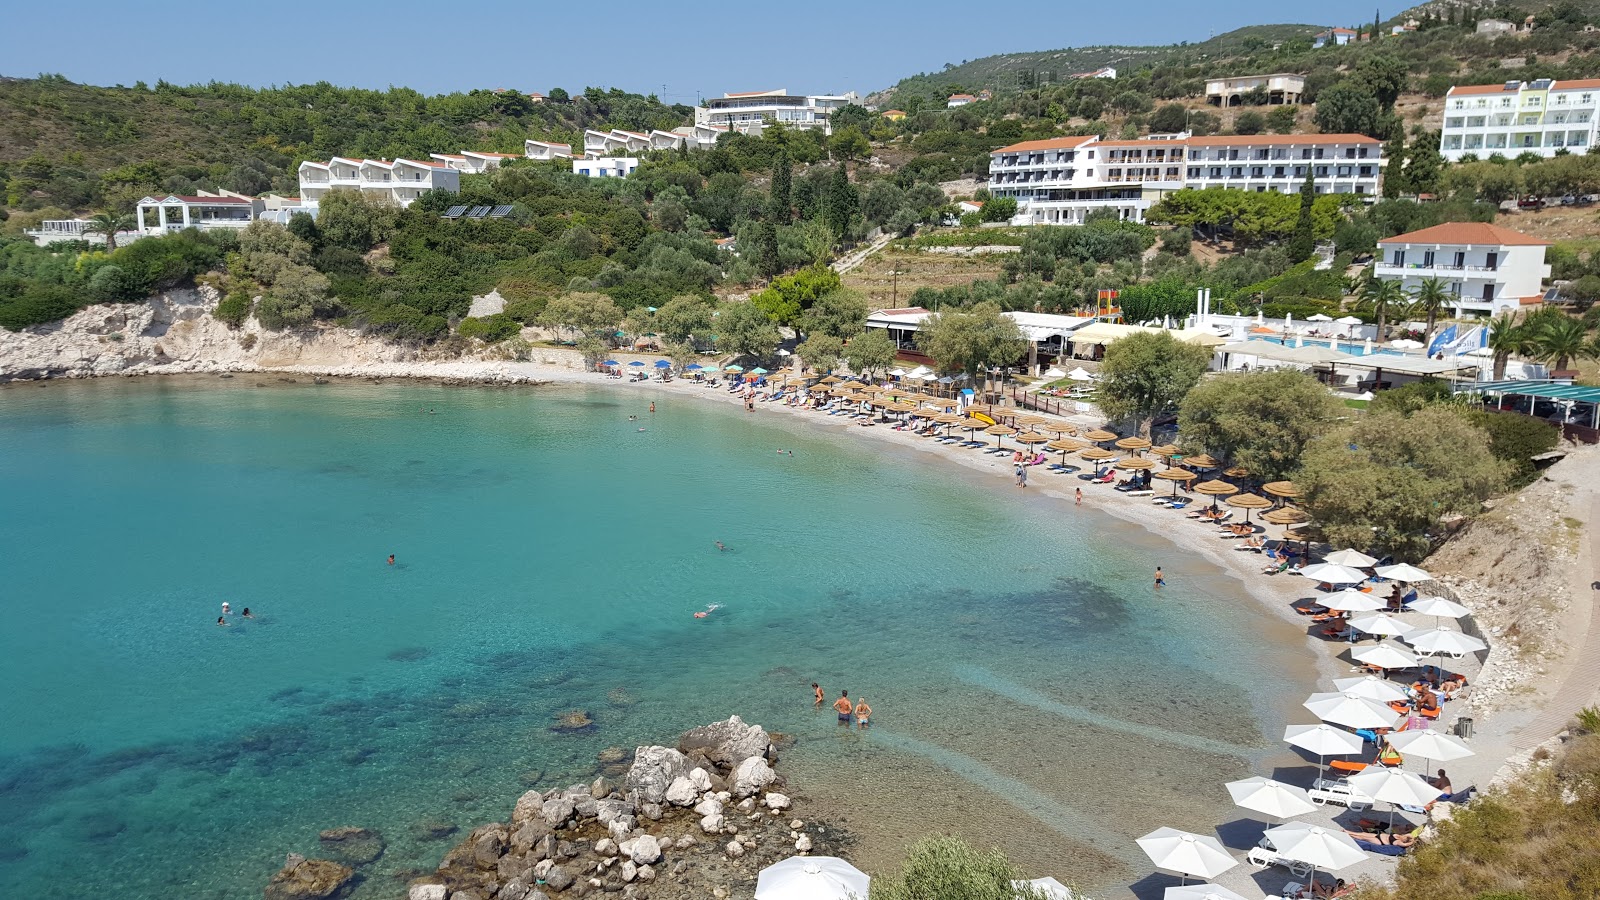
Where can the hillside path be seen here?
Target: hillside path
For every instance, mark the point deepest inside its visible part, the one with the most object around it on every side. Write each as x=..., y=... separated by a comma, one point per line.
x=1582, y=681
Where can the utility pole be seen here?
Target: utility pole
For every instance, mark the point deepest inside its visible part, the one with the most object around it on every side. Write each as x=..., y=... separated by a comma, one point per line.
x=894, y=294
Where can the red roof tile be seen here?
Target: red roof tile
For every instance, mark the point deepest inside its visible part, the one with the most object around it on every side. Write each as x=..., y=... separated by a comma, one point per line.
x=1060, y=143
x=1481, y=233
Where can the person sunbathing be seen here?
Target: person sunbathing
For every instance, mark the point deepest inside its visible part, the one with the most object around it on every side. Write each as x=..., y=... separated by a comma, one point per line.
x=1387, y=840
x=1254, y=543
x=1324, y=891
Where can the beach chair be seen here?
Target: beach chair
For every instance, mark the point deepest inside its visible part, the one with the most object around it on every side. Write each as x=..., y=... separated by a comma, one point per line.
x=1264, y=854
x=1339, y=793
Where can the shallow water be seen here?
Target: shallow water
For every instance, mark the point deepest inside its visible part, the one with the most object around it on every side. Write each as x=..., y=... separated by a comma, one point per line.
x=1030, y=688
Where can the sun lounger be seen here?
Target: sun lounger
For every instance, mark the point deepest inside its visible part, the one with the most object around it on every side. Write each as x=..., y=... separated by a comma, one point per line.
x=1339, y=793
x=1265, y=855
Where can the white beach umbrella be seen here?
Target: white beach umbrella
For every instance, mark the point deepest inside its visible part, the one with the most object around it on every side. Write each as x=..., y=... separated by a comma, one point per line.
x=1372, y=687
x=1333, y=573
x=1347, y=320
x=1439, y=607
x=1406, y=344
x=1323, y=739
x=1403, y=572
x=1351, y=710
x=1352, y=600
x=1395, y=786
x=1387, y=655
x=1199, y=892
x=1080, y=374
x=1329, y=849
x=1444, y=640
x=812, y=878
x=1380, y=623
x=1435, y=746
x=1349, y=557
x=1319, y=317
x=1187, y=854
x=1049, y=887
x=1273, y=798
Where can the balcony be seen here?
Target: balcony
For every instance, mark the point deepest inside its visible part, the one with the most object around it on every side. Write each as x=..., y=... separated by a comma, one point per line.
x=1419, y=270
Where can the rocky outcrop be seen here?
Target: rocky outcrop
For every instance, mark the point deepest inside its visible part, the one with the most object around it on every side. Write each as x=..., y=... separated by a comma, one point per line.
x=357, y=846
x=670, y=825
x=309, y=879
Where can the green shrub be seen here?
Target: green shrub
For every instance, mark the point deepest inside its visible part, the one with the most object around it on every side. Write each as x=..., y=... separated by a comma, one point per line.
x=234, y=309
x=1409, y=398
x=37, y=304
x=1516, y=439
x=489, y=329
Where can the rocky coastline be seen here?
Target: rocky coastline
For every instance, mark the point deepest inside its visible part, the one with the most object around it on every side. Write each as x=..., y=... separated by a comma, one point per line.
x=692, y=821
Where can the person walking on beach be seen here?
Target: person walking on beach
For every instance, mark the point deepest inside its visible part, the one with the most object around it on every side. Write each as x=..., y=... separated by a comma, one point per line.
x=818, y=691
x=844, y=708
x=1079, y=500
x=1161, y=580
x=1022, y=475
x=863, y=712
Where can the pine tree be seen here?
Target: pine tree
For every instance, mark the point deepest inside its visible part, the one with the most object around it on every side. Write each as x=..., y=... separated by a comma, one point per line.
x=1303, y=243
x=1395, y=181
x=840, y=204
x=779, y=202
x=1377, y=22
x=766, y=250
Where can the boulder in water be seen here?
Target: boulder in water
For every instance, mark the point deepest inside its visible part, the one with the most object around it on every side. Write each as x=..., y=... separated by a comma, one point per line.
x=572, y=722
x=309, y=879
x=357, y=846
x=727, y=743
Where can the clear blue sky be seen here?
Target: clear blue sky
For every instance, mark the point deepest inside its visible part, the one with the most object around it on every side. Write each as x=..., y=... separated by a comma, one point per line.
x=694, y=49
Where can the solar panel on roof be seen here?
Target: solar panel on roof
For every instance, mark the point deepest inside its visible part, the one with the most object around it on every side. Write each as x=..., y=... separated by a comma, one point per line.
x=454, y=212
x=500, y=212
x=478, y=212
x=1553, y=295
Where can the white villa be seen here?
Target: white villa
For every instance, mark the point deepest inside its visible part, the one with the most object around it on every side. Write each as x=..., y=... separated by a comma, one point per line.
x=605, y=166
x=1335, y=37
x=1279, y=89
x=174, y=212
x=749, y=111
x=618, y=141
x=1488, y=268
x=545, y=150
x=1518, y=117
x=956, y=100
x=1059, y=181
x=399, y=181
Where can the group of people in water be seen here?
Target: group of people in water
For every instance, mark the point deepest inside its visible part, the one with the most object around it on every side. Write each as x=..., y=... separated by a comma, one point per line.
x=227, y=610
x=859, y=712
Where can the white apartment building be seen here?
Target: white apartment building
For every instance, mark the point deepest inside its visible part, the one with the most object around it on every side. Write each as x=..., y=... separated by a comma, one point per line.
x=1060, y=181
x=1488, y=268
x=471, y=162
x=545, y=150
x=958, y=100
x=1519, y=117
x=750, y=110
x=1279, y=89
x=605, y=166
x=399, y=181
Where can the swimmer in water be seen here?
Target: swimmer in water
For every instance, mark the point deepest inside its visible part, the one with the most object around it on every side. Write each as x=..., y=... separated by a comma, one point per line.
x=226, y=608
x=720, y=547
x=221, y=621
x=652, y=406
x=391, y=559
x=863, y=712
x=246, y=613
x=818, y=691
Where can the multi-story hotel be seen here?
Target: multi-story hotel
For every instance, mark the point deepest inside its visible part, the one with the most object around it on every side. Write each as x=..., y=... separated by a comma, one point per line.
x=749, y=111
x=1487, y=269
x=1061, y=180
x=399, y=181
x=1518, y=117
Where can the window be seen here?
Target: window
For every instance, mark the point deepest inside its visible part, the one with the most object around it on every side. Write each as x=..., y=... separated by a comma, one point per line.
x=1460, y=259
x=1236, y=172
x=1427, y=259
x=1256, y=171
x=1399, y=257
x=1216, y=172
x=1366, y=171
x=1277, y=171
x=1322, y=171
x=1488, y=292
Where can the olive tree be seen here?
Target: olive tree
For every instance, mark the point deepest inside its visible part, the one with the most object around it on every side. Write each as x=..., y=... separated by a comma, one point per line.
x=1259, y=420
x=1146, y=374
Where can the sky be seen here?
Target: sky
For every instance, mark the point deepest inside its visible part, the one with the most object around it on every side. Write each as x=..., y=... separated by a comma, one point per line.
x=680, y=51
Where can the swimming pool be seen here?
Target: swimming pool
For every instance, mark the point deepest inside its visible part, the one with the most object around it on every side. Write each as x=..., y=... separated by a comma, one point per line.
x=1356, y=348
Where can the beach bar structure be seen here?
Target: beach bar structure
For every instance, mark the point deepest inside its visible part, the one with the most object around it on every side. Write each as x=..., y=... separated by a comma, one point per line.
x=1047, y=334
x=1574, y=408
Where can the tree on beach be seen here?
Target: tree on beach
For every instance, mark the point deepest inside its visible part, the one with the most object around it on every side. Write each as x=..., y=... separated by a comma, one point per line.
x=744, y=330
x=1259, y=420
x=108, y=225
x=1383, y=481
x=870, y=351
x=947, y=868
x=684, y=320
x=841, y=313
x=1558, y=339
x=972, y=340
x=594, y=316
x=820, y=352
x=1146, y=374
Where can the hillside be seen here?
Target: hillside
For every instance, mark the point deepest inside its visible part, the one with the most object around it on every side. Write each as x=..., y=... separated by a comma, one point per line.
x=75, y=146
x=1024, y=70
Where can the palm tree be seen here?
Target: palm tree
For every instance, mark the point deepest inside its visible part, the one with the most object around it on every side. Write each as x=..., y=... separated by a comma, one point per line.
x=1558, y=340
x=1505, y=339
x=1429, y=297
x=109, y=224
x=1382, y=295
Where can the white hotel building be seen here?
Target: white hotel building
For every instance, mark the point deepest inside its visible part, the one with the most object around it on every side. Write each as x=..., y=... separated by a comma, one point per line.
x=1061, y=180
x=1518, y=117
x=398, y=181
x=749, y=111
x=1486, y=268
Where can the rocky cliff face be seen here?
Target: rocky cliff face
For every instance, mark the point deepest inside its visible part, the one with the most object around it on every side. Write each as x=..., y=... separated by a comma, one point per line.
x=175, y=333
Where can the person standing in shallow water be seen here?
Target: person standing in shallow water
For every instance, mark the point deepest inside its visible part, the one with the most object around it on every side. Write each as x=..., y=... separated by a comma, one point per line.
x=844, y=708
x=863, y=712
x=818, y=691
x=1161, y=580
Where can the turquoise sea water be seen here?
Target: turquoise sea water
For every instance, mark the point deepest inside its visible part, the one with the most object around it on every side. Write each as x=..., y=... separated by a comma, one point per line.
x=1031, y=689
